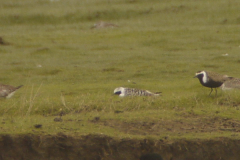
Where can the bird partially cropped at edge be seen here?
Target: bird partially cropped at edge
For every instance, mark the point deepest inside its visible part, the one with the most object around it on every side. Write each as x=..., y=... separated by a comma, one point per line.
x=7, y=91
x=123, y=92
x=211, y=79
x=233, y=83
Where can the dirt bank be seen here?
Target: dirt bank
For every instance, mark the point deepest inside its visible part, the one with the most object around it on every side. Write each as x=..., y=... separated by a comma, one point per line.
x=99, y=147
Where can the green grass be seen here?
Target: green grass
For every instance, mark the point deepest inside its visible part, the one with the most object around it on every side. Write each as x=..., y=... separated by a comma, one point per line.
x=158, y=45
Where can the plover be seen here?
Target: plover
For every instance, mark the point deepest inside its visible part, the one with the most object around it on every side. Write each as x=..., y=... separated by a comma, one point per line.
x=123, y=92
x=211, y=79
x=8, y=91
x=233, y=83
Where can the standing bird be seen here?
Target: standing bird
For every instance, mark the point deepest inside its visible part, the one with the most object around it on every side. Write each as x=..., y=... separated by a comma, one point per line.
x=233, y=83
x=8, y=91
x=211, y=79
x=123, y=92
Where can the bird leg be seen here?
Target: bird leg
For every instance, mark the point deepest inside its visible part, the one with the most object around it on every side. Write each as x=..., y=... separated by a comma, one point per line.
x=210, y=92
x=216, y=92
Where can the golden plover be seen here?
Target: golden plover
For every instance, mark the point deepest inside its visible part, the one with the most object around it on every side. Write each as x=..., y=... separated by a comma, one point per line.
x=123, y=92
x=8, y=91
x=211, y=79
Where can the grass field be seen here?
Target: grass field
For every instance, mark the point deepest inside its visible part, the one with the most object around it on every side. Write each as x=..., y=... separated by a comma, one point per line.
x=70, y=69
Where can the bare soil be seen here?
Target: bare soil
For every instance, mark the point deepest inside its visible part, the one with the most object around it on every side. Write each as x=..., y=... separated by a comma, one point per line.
x=101, y=147
x=187, y=124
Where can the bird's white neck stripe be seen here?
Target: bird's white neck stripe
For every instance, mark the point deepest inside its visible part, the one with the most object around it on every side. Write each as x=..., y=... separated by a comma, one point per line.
x=205, y=79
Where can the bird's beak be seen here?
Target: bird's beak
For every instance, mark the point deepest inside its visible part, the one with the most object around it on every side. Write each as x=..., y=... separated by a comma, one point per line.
x=195, y=77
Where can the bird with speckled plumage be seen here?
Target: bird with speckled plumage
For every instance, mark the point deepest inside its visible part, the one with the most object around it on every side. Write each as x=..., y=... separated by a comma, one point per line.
x=123, y=92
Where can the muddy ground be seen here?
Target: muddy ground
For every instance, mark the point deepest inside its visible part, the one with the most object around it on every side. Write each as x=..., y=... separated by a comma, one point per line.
x=175, y=127
x=101, y=147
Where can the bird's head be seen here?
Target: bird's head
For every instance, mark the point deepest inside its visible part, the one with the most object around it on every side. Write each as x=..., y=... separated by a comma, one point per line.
x=200, y=74
x=118, y=90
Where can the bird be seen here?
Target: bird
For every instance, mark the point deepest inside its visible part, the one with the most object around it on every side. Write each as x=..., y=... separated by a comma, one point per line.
x=211, y=79
x=7, y=91
x=123, y=92
x=233, y=83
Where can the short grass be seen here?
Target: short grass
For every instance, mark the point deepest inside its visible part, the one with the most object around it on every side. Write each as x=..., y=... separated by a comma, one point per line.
x=67, y=67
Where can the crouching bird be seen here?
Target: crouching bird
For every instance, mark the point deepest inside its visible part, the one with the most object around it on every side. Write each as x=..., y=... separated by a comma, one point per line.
x=123, y=92
x=233, y=83
x=7, y=91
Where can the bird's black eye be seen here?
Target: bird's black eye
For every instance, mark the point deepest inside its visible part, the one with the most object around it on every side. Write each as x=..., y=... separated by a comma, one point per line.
x=118, y=92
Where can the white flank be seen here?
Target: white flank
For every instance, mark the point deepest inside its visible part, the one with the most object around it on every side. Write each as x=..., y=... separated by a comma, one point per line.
x=224, y=88
x=121, y=95
x=10, y=95
x=122, y=92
